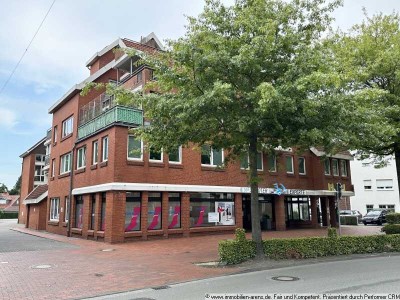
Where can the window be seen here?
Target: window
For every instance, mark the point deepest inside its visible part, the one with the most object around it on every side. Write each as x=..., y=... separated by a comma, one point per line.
x=55, y=135
x=272, y=163
x=210, y=156
x=297, y=208
x=67, y=126
x=81, y=158
x=95, y=153
x=368, y=185
x=105, y=149
x=53, y=167
x=93, y=212
x=133, y=211
x=384, y=184
x=65, y=163
x=174, y=210
x=155, y=155
x=78, y=211
x=175, y=156
x=211, y=209
x=66, y=205
x=135, y=148
x=369, y=207
x=154, y=211
x=289, y=164
x=103, y=211
x=335, y=167
x=327, y=166
x=245, y=161
x=54, y=209
x=389, y=207
x=343, y=168
x=302, y=165
x=39, y=174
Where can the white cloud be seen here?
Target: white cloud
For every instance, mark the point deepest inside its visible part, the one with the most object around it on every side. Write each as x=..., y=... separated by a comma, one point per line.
x=8, y=119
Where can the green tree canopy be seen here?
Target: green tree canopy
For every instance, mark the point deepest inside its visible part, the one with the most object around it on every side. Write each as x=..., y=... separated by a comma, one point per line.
x=16, y=190
x=245, y=78
x=3, y=188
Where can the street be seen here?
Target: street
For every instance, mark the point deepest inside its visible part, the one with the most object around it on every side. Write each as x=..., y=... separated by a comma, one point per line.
x=366, y=275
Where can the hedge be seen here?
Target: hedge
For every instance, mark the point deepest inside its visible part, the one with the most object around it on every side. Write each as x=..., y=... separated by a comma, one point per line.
x=8, y=215
x=393, y=218
x=391, y=229
x=348, y=220
x=239, y=250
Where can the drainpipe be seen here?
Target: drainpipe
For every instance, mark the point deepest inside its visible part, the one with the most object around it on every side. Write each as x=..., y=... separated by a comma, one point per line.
x=71, y=186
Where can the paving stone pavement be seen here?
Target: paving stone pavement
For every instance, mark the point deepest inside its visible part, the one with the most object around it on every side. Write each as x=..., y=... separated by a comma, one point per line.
x=79, y=268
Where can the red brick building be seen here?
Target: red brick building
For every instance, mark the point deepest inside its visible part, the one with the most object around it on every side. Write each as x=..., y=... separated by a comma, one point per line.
x=120, y=190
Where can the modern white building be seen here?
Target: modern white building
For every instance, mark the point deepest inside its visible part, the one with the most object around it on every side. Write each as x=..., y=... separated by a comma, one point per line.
x=374, y=187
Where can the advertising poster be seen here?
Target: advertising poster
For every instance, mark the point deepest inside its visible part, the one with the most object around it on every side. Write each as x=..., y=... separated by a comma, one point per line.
x=226, y=213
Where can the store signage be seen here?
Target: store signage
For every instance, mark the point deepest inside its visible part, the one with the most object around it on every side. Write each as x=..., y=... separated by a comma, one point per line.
x=213, y=217
x=279, y=189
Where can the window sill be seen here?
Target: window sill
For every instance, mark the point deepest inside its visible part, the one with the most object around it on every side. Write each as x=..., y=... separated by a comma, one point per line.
x=243, y=171
x=64, y=175
x=133, y=233
x=90, y=232
x=273, y=173
x=93, y=167
x=135, y=162
x=175, y=166
x=290, y=174
x=66, y=137
x=104, y=164
x=212, y=168
x=100, y=233
x=64, y=224
x=156, y=164
x=76, y=230
x=79, y=171
x=54, y=223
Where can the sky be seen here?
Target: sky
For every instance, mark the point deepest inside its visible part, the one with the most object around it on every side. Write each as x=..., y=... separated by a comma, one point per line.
x=73, y=31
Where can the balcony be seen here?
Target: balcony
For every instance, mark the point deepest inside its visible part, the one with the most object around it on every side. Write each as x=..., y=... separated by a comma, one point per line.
x=115, y=115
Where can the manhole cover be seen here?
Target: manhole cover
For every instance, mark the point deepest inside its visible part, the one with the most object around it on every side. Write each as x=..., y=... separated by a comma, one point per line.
x=98, y=275
x=107, y=250
x=162, y=287
x=285, y=278
x=42, y=267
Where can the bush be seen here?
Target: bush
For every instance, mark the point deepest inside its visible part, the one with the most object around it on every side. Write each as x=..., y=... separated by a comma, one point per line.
x=393, y=218
x=238, y=250
x=8, y=215
x=348, y=220
x=391, y=229
x=332, y=232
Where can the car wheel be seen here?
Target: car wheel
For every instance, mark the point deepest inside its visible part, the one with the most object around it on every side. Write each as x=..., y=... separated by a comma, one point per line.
x=365, y=224
x=379, y=223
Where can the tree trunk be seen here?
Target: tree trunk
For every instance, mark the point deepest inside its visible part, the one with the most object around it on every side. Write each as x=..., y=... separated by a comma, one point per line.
x=255, y=209
x=397, y=158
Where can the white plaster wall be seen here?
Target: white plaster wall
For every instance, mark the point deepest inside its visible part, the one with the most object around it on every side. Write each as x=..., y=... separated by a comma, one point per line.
x=360, y=172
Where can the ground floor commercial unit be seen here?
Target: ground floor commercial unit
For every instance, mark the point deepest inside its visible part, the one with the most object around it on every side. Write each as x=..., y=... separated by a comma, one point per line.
x=121, y=212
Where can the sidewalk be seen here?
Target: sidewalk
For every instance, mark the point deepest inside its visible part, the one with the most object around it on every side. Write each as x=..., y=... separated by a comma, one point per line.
x=88, y=271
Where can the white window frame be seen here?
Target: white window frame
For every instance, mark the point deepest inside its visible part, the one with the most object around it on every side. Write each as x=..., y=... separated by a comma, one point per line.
x=327, y=160
x=291, y=158
x=78, y=158
x=141, y=149
x=212, y=158
x=104, y=150
x=67, y=127
x=53, y=167
x=370, y=181
x=95, y=152
x=343, y=171
x=304, y=163
x=54, y=209
x=55, y=135
x=64, y=168
x=66, y=216
x=333, y=169
x=180, y=157
x=156, y=160
x=386, y=187
x=274, y=157
x=248, y=163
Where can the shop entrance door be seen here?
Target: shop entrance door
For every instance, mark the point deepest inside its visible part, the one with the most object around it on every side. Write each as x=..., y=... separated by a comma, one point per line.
x=267, y=212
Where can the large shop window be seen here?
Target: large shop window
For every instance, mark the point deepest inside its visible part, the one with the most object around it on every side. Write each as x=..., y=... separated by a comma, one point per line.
x=103, y=211
x=54, y=209
x=297, y=208
x=245, y=161
x=211, y=209
x=174, y=210
x=132, y=212
x=78, y=211
x=154, y=209
x=211, y=157
x=93, y=212
x=66, y=214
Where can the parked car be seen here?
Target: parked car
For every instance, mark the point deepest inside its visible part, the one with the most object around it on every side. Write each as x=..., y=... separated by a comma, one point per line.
x=352, y=213
x=375, y=217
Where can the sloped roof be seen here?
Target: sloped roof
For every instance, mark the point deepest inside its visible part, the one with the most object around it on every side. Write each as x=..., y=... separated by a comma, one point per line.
x=340, y=155
x=29, y=151
x=37, y=195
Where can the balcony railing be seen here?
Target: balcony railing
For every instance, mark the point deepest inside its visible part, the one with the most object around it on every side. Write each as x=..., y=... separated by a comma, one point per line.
x=116, y=114
x=47, y=160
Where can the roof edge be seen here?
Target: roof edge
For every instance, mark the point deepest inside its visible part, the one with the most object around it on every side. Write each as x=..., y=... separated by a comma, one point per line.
x=27, y=152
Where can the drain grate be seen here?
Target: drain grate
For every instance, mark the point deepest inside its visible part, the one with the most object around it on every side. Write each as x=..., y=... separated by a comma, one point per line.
x=98, y=275
x=285, y=278
x=161, y=287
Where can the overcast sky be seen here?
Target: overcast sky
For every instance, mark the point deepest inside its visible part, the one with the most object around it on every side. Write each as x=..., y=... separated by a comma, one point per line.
x=72, y=33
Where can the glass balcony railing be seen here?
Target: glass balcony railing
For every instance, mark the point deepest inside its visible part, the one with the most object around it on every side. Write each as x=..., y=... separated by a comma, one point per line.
x=116, y=114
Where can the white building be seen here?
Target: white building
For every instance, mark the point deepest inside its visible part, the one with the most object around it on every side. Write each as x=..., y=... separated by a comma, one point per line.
x=374, y=187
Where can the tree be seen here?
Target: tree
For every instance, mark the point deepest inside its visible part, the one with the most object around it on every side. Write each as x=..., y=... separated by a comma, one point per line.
x=3, y=188
x=243, y=79
x=16, y=190
x=367, y=58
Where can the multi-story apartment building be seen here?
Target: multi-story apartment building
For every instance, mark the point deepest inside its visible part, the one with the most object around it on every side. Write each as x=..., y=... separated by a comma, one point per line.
x=106, y=184
x=375, y=187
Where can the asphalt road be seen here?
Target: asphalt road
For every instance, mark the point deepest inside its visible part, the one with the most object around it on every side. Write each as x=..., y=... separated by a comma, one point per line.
x=380, y=274
x=13, y=241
